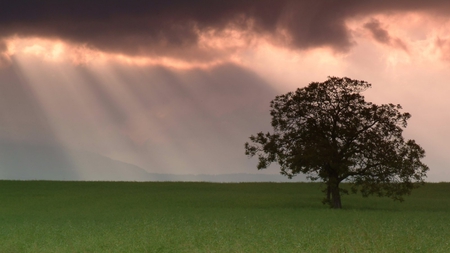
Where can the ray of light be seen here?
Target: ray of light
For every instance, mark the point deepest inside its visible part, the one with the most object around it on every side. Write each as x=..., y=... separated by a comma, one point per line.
x=49, y=98
x=91, y=105
x=93, y=108
x=151, y=122
x=75, y=114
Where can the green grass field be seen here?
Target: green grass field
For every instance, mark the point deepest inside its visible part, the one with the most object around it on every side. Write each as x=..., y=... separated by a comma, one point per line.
x=40, y=216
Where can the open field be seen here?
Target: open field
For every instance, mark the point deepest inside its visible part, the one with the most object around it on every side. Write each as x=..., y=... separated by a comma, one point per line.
x=42, y=216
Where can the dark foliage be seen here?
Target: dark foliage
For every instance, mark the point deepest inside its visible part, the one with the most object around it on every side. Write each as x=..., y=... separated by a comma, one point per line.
x=329, y=132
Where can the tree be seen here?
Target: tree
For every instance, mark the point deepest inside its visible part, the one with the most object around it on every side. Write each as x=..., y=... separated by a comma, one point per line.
x=329, y=132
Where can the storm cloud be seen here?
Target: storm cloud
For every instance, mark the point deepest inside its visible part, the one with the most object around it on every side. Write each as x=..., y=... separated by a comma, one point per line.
x=174, y=28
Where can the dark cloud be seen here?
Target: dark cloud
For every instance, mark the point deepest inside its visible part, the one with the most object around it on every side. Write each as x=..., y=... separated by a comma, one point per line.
x=382, y=35
x=378, y=33
x=170, y=27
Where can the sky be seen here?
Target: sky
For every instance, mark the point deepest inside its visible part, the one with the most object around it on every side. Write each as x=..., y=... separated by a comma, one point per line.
x=177, y=87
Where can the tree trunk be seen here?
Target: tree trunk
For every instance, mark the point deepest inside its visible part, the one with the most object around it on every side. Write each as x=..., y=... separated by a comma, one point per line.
x=328, y=193
x=335, y=196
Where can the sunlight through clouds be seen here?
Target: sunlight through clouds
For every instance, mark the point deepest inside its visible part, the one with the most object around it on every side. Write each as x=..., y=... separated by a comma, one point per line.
x=192, y=115
x=124, y=111
x=50, y=97
x=74, y=113
x=155, y=118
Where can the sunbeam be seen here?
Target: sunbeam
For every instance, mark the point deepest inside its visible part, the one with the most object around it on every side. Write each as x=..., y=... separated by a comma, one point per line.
x=187, y=105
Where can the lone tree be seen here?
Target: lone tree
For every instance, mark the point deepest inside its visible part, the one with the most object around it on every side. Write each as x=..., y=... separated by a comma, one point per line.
x=329, y=132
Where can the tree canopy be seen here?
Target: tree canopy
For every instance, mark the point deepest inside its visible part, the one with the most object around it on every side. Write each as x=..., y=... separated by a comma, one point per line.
x=329, y=132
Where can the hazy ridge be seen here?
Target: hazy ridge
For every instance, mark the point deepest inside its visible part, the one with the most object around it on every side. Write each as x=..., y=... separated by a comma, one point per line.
x=37, y=162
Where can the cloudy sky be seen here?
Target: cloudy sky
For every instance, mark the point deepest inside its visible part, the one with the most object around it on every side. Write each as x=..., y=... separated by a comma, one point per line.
x=178, y=86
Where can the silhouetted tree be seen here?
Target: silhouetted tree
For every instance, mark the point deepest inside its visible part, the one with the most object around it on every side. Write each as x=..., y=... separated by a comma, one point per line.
x=329, y=132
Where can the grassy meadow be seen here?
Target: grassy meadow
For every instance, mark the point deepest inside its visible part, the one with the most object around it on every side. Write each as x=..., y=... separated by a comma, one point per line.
x=45, y=216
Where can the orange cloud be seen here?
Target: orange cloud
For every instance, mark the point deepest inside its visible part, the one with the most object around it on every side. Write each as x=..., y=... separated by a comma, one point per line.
x=4, y=54
x=61, y=51
x=174, y=29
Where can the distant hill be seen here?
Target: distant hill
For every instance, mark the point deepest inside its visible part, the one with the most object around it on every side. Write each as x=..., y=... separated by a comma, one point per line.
x=36, y=162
